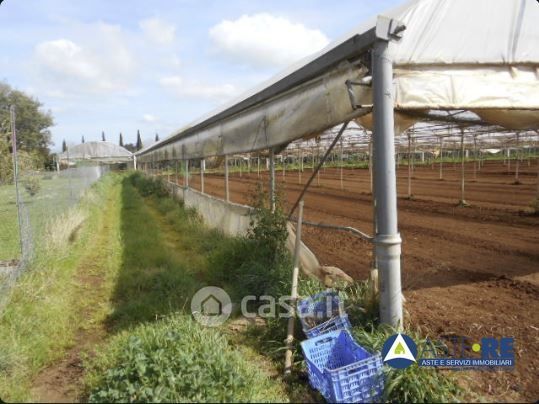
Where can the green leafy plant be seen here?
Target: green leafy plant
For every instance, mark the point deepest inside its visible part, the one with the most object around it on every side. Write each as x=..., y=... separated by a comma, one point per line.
x=258, y=263
x=176, y=360
x=149, y=185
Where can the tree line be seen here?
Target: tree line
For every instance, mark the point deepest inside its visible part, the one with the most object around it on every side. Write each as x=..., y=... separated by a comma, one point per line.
x=33, y=133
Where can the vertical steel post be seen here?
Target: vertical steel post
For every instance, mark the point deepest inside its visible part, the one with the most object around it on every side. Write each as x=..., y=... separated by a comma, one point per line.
x=258, y=166
x=186, y=182
x=300, y=167
x=370, y=161
x=227, y=190
x=475, y=157
x=387, y=239
x=202, y=168
x=441, y=158
x=12, y=116
x=284, y=166
x=272, y=180
x=317, y=160
x=341, y=164
x=409, y=166
x=462, y=168
x=517, y=163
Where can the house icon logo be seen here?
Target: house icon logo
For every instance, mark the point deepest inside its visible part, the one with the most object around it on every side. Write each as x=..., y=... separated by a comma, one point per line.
x=399, y=351
x=211, y=306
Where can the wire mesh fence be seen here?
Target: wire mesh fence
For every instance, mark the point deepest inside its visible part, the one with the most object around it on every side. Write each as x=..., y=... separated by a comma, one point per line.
x=29, y=205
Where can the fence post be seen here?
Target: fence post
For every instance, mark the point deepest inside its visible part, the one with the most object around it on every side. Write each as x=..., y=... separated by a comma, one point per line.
x=272, y=180
x=202, y=168
x=186, y=181
x=227, y=191
x=12, y=115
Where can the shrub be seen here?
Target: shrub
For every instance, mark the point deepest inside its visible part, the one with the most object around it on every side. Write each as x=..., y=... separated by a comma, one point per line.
x=176, y=360
x=258, y=264
x=32, y=185
x=149, y=185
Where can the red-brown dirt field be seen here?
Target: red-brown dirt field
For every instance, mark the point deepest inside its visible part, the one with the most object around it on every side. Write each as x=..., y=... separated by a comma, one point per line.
x=470, y=271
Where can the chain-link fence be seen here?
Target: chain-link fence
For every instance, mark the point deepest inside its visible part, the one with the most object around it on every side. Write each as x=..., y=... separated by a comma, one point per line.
x=30, y=205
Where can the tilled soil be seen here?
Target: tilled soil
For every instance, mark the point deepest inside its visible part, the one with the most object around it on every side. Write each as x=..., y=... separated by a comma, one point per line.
x=470, y=271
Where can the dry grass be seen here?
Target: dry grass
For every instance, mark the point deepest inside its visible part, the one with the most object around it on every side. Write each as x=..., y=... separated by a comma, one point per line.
x=63, y=229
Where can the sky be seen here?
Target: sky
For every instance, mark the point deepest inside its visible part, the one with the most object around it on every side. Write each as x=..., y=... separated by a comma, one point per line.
x=155, y=66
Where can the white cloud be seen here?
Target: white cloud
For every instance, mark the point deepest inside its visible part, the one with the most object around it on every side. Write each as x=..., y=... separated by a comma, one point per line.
x=149, y=118
x=158, y=31
x=99, y=62
x=264, y=39
x=194, y=89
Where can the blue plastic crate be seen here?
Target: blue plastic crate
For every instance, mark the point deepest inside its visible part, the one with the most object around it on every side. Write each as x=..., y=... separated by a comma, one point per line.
x=342, y=370
x=326, y=308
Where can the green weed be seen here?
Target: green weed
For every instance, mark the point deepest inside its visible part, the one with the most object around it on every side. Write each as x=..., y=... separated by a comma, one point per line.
x=176, y=360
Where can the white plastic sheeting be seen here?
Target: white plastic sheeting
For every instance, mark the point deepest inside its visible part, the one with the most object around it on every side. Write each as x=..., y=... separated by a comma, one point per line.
x=481, y=55
x=305, y=111
x=97, y=151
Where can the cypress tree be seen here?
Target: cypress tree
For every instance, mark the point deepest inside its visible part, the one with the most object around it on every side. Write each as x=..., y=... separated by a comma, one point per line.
x=139, y=141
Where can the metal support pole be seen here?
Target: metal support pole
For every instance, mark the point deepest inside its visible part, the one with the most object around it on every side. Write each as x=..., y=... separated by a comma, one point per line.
x=284, y=167
x=293, y=294
x=272, y=180
x=462, y=167
x=517, y=164
x=341, y=164
x=413, y=154
x=202, y=168
x=300, y=167
x=317, y=171
x=227, y=191
x=441, y=158
x=409, y=166
x=258, y=166
x=475, y=158
x=370, y=161
x=12, y=116
x=186, y=182
x=387, y=239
